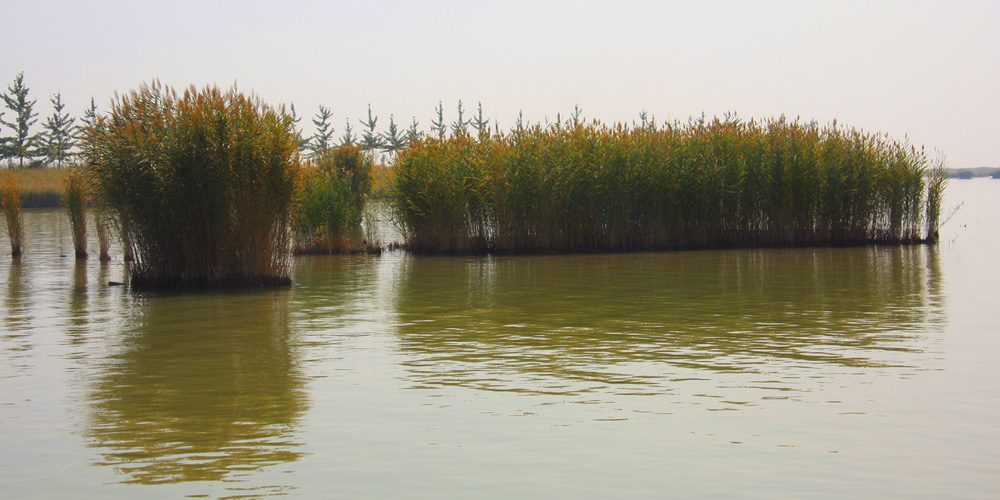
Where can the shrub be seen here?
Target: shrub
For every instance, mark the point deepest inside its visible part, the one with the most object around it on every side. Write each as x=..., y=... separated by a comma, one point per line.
x=199, y=184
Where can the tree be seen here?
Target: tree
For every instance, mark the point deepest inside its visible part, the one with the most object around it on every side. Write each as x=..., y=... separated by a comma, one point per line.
x=481, y=125
x=348, y=139
x=460, y=127
x=59, y=134
x=302, y=143
x=393, y=140
x=323, y=137
x=577, y=116
x=23, y=144
x=437, y=126
x=370, y=140
x=412, y=133
x=3, y=140
x=89, y=119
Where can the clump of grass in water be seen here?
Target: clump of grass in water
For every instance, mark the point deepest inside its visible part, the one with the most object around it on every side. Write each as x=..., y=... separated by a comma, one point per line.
x=11, y=203
x=200, y=185
x=75, y=198
x=936, y=180
x=330, y=204
x=102, y=224
x=721, y=183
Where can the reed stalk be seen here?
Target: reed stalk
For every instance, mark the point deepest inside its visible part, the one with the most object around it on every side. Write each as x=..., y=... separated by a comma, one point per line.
x=11, y=203
x=75, y=194
x=578, y=186
x=102, y=225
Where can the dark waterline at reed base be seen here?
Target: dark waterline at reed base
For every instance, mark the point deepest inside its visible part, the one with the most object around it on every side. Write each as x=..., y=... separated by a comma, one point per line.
x=578, y=187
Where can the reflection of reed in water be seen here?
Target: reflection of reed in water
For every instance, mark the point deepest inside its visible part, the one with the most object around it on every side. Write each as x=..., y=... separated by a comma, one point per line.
x=202, y=387
x=15, y=304
x=562, y=320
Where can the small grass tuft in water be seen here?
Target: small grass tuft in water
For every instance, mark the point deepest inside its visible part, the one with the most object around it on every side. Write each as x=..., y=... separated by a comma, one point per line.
x=11, y=203
x=75, y=194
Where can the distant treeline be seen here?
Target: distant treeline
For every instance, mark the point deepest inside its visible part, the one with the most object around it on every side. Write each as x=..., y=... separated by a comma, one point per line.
x=969, y=173
x=23, y=145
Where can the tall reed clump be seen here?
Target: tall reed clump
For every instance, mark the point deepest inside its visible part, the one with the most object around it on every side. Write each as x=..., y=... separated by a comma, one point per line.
x=11, y=203
x=331, y=198
x=199, y=184
x=75, y=194
x=936, y=180
x=721, y=183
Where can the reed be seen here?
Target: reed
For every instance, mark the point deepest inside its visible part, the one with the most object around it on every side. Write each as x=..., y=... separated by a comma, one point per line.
x=578, y=186
x=102, y=225
x=11, y=203
x=40, y=187
x=331, y=195
x=936, y=180
x=199, y=184
x=75, y=194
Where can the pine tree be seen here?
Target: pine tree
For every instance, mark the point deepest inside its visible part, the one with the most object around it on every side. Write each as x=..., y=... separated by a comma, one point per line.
x=460, y=127
x=348, y=139
x=437, y=126
x=481, y=125
x=89, y=119
x=322, y=139
x=393, y=140
x=577, y=116
x=302, y=143
x=3, y=140
x=59, y=134
x=370, y=140
x=412, y=133
x=23, y=144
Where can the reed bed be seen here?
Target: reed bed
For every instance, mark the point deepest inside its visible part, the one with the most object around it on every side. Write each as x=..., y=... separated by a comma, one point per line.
x=705, y=184
x=40, y=187
x=332, y=191
x=11, y=203
x=199, y=184
x=75, y=194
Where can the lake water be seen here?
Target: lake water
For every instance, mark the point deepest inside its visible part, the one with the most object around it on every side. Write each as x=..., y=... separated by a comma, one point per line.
x=831, y=372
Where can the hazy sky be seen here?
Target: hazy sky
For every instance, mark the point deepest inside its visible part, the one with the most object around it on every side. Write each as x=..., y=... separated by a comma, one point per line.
x=929, y=70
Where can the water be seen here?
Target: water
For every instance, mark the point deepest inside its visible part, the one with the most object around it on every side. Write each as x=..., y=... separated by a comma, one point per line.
x=835, y=373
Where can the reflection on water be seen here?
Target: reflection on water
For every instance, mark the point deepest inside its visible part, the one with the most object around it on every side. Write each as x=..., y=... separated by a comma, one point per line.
x=202, y=387
x=13, y=299
x=15, y=310
x=584, y=375
x=637, y=322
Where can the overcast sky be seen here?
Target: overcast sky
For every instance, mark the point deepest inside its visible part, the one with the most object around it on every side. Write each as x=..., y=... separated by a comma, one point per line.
x=927, y=70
